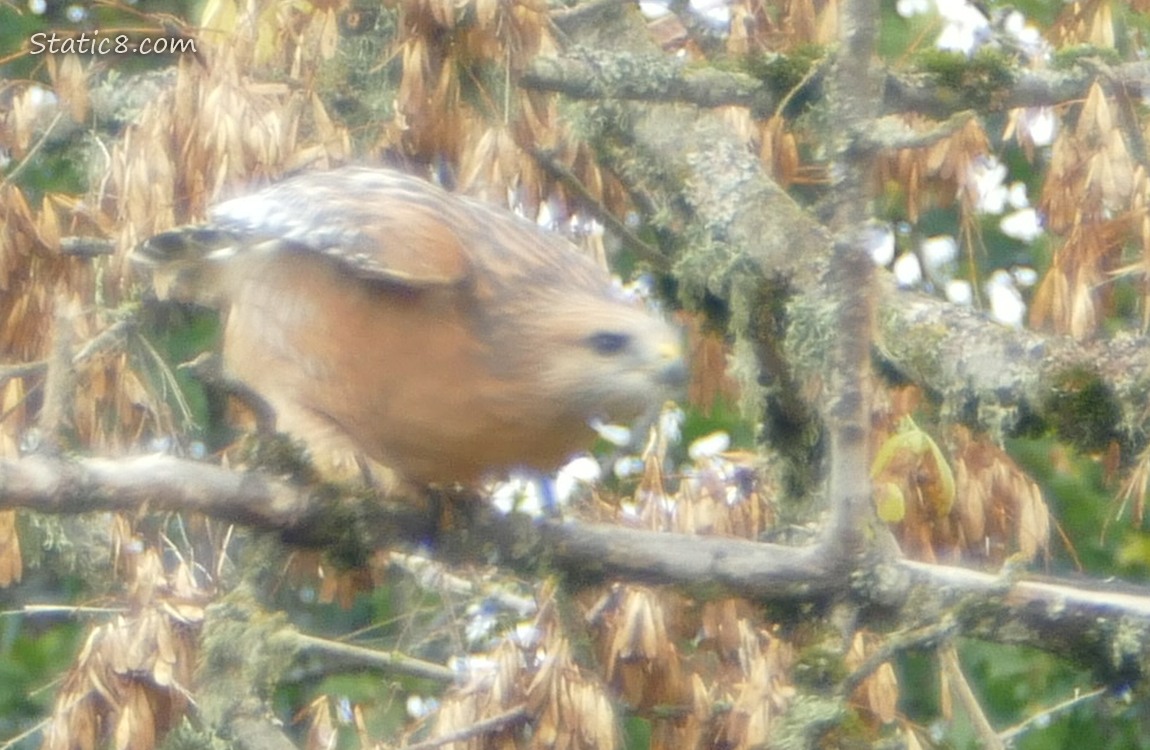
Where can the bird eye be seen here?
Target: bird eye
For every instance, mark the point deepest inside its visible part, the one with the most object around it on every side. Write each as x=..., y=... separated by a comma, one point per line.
x=608, y=342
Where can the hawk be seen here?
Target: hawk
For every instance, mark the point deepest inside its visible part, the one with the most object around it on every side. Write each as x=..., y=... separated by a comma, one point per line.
x=381, y=316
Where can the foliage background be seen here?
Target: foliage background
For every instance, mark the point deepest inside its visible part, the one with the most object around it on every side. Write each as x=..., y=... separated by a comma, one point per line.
x=421, y=84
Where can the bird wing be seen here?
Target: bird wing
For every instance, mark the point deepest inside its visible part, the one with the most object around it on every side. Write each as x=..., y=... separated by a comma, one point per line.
x=377, y=224
x=381, y=225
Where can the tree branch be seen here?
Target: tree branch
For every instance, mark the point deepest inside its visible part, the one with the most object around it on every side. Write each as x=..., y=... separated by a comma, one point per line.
x=1089, y=393
x=1043, y=718
x=166, y=483
x=259, y=733
x=107, y=339
x=851, y=281
x=960, y=687
x=758, y=571
x=496, y=723
x=1105, y=629
x=392, y=663
x=751, y=244
x=630, y=78
x=651, y=78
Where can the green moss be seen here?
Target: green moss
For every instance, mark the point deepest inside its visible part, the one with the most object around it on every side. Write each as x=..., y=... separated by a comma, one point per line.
x=1068, y=58
x=187, y=736
x=808, y=719
x=245, y=652
x=820, y=666
x=1127, y=647
x=280, y=455
x=811, y=334
x=976, y=82
x=1082, y=409
x=919, y=351
x=640, y=74
x=782, y=73
x=337, y=518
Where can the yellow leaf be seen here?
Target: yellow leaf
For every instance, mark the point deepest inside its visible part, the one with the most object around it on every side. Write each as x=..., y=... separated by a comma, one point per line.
x=219, y=15
x=943, y=499
x=889, y=502
x=909, y=440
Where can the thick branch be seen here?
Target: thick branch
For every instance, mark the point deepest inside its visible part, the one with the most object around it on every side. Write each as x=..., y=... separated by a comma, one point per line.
x=749, y=246
x=851, y=281
x=759, y=571
x=1031, y=88
x=607, y=76
x=167, y=483
x=999, y=376
x=259, y=733
x=646, y=78
x=1108, y=630
x=756, y=237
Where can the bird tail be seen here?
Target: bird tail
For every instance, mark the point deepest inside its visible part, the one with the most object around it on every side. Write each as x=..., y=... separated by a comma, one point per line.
x=184, y=264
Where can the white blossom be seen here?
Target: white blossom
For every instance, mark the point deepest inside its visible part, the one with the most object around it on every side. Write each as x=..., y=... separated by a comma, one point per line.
x=959, y=292
x=1022, y=225
x=709, y=446
x=907, y=270
x=938, y=252
x=1006, y=305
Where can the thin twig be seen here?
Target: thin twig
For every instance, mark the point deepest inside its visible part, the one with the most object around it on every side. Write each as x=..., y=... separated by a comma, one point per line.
x=896, y=644
x=817, y=68
x=168, y=380
x=495, y=723
x=434, y=576
x=59, y=387
x=1043, y=717
x=559, y=172
x=15, y=172
x=104, y=340
x=113, y=334
x=893, y=133
x=17, y=739
x=22, y=370
x=66, y=609
x=99, y=343
x=948, y=661
x=367, y=657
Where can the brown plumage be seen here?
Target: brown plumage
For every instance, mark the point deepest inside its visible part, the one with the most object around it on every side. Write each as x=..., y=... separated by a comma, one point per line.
x=438, y=335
